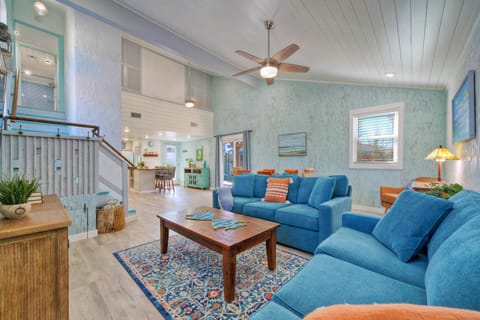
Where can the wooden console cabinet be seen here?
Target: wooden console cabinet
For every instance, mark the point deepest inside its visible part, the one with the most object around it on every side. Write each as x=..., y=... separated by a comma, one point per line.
x=34, y=263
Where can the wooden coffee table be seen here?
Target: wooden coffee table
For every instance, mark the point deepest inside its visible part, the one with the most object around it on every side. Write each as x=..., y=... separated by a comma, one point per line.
x=228, y=243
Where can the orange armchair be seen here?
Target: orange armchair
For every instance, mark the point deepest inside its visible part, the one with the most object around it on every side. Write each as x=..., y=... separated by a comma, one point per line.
x=388, y=195
x=291, y=171
x=267, y=172
x=239, y=170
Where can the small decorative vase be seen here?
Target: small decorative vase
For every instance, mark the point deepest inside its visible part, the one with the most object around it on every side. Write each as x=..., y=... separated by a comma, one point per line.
x=15, y=211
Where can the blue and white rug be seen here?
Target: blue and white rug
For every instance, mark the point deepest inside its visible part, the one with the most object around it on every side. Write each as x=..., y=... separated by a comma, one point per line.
x=187, y=282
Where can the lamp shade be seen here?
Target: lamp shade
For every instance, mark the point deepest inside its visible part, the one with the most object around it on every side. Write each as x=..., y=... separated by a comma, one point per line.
x=441, y=154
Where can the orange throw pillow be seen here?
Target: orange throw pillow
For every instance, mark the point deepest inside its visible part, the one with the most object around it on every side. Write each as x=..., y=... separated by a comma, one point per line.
x=391, y=312
x=277, y=190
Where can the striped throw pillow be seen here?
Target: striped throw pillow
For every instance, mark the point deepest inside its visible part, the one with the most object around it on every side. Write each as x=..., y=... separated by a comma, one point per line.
x=277, y=190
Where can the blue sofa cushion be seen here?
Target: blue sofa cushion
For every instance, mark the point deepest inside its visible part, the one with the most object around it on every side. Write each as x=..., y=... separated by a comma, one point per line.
x=243, y=185
x=298, y=215
x=305, y=188
x=325, y=281
x=239, y=202
x=260, y=185
x=409, y=223
x=453, y=274
x=341, y=185
x=466, y=205
x=322, y=191
x=365, y=251
x=272, y=311
x=262, y=209
x=292, y=187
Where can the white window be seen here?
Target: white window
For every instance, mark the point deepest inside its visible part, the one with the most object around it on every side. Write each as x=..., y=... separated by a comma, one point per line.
x=376, y=137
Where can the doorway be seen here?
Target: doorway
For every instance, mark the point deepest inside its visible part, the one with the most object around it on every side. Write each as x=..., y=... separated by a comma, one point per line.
x=233, y=156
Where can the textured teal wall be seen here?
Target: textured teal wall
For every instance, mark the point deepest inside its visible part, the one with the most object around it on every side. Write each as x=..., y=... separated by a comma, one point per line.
x=322, y=110
x=466, y=171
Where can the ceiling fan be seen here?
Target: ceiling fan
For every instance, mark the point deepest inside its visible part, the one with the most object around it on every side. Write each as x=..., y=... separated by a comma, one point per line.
x=270, y=66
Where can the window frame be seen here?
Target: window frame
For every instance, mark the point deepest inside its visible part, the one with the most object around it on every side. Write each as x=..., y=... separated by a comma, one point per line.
x=398, y=143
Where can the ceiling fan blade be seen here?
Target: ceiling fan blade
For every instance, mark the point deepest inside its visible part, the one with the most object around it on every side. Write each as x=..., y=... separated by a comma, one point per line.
x=285, y=53
x=289, y=67
x=270, y=81
x=249, y=56
x=247, y=71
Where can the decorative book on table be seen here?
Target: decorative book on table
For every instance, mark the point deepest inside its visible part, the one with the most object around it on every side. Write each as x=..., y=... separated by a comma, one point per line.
x=36, y=197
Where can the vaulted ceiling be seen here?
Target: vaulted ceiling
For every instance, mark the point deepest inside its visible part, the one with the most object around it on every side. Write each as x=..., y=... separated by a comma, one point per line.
x=347, y=41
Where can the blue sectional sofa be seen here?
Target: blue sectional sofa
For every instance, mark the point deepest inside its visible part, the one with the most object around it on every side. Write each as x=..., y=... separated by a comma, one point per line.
x=314, y=209
x=353, y=267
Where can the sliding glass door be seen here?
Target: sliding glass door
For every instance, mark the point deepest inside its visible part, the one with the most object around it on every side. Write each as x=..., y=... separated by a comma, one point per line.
x=233, y=156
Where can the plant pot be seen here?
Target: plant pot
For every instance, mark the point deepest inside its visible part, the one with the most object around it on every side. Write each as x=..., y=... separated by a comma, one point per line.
x=15, y=211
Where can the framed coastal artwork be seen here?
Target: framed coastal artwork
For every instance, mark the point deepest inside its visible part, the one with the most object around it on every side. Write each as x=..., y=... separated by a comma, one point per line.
x=293, y=144
x=463, y=110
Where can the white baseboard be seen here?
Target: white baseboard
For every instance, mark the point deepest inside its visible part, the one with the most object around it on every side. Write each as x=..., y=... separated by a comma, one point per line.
x=83, y=235
x=367, y=209
x=130, y=218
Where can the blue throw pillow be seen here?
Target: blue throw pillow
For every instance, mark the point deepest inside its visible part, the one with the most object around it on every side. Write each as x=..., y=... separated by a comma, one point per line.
x=341, y=185
x=260, y=185
x=409, y=223
x=322, y=191
x=305, y=189
x=243, y=185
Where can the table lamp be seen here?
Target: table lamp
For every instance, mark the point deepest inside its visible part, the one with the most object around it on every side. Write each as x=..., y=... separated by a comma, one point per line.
x=441, y=154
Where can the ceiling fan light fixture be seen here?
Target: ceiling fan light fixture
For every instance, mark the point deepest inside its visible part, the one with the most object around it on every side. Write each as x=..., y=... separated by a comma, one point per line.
x=40, y=8
x=189, y=103
x=268, y=72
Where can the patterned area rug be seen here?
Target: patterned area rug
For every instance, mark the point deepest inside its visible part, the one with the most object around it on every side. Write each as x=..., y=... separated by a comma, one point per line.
x=187, y=282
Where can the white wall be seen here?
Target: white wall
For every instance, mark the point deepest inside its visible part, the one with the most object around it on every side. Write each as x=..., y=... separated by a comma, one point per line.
x=466, y=171
x=93, y=75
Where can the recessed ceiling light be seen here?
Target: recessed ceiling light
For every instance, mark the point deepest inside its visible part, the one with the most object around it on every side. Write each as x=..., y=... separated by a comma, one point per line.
x=188, y=137
x=146, y=136
x=126, y=129
x=189, y=103
x=28, y=72
x=389, y=74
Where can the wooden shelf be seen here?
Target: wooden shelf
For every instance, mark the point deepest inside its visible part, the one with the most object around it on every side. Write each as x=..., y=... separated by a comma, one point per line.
x=150, y=154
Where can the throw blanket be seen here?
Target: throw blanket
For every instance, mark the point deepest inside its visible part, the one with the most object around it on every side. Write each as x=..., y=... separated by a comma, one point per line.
x=225, y=198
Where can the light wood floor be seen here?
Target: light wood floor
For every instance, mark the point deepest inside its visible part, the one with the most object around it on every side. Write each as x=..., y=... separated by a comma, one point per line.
x=100, y=288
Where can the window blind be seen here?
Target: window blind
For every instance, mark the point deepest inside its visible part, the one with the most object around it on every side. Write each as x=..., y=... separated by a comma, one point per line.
x=376, y=137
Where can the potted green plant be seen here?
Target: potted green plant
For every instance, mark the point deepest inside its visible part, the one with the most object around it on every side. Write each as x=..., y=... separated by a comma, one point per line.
x=14, y=194
x=190, y=162
x=445, y=190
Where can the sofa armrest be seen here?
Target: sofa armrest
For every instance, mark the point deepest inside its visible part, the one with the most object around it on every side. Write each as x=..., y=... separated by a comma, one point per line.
x=359, y=221
x=330, y=218
x=215, y=201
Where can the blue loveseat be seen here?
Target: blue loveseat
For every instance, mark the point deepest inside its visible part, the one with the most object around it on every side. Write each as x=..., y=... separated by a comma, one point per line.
x=353, y=267
x=313, y=211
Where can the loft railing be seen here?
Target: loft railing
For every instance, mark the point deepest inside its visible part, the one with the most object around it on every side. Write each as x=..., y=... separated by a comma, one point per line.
x=95, y=131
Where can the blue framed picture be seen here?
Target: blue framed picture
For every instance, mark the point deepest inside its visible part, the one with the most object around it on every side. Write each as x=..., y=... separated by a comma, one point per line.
x=294, y=144
x=463, y=110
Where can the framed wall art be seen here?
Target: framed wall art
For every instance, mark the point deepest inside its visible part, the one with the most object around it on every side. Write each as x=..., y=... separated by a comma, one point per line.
x=293, y=144
x=463, y=110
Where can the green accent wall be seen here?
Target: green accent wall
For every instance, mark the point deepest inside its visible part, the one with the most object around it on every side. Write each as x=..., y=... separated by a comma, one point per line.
x=322, y=111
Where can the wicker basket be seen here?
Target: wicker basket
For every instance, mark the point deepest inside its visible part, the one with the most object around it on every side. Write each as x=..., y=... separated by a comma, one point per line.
x=119, y=218
x=105, y=219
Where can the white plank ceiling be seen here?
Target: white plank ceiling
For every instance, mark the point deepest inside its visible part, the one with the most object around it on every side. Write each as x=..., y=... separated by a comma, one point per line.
x=346, y=41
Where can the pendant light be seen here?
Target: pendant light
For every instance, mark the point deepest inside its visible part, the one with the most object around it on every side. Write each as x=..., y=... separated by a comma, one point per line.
x=40, y=8
x=189, y=102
